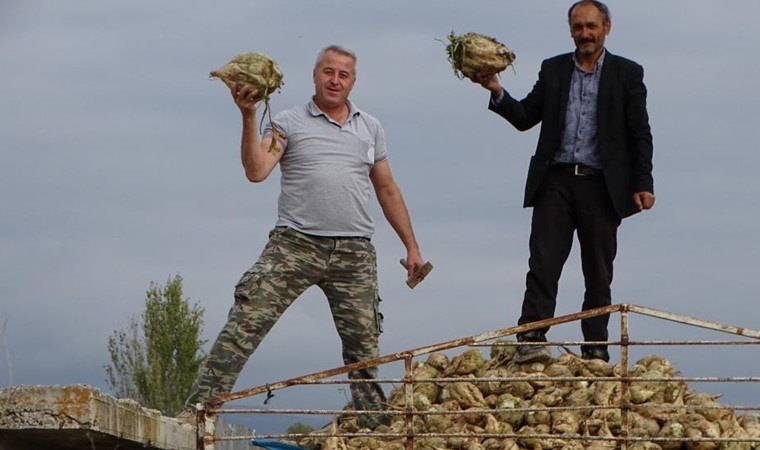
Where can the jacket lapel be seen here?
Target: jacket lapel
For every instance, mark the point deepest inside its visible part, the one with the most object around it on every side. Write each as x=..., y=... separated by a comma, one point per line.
x=604, y=95
x=565, y=76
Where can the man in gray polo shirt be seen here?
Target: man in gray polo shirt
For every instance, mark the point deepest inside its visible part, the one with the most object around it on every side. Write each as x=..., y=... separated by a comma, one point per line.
x=331, y=154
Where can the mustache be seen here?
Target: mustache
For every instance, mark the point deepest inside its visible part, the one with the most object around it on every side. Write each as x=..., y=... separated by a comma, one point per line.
x=586, y=40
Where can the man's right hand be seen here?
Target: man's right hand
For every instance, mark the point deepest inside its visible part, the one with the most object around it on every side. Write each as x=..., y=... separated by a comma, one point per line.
x=245, y=97
x=257, y=155
x=490, y=83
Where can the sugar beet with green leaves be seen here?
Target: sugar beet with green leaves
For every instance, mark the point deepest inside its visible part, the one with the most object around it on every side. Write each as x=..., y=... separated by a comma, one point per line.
x=474, y=54
x=254, y=69
x=260, y=72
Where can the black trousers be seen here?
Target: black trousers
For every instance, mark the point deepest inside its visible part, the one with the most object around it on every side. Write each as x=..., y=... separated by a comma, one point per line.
x=567, y=203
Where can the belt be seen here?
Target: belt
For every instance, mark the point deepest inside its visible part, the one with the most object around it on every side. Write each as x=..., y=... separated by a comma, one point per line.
x=316, y=236
x=577, y=169
x=352, y=238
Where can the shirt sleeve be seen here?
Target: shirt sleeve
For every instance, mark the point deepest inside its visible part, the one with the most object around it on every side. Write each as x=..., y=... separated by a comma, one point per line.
x=381, y=151
x=280, y=124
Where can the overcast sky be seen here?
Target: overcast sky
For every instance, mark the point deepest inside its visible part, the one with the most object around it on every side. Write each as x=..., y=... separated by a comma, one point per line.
x=120, y=166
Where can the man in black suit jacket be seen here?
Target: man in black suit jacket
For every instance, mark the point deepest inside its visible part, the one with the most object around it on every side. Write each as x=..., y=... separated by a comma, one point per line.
x=591, y=169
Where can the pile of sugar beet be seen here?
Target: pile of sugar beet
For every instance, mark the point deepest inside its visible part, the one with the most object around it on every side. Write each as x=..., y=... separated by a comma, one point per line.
x=527, y=405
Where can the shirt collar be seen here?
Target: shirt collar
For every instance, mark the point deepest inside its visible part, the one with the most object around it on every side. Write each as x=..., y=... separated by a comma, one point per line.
x=599, y=61
x=315, y=111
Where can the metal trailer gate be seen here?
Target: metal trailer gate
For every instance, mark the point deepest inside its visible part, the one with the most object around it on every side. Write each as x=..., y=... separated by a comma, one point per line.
x=741, y=336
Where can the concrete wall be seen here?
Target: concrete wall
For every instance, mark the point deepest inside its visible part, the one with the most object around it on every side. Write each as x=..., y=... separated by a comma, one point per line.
x=81, y=417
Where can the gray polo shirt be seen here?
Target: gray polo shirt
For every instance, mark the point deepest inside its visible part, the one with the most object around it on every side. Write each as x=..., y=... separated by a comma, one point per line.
x=325, y=186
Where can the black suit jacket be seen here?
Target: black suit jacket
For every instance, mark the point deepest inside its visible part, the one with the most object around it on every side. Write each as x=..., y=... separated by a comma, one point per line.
x=624, y=136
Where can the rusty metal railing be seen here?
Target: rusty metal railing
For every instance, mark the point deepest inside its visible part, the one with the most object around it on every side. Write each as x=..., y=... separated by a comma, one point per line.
x=207, y=440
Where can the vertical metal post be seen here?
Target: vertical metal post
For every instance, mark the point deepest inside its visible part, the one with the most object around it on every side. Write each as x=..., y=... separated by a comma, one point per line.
x=207, y=423
x=625, y=395
x=409, y=402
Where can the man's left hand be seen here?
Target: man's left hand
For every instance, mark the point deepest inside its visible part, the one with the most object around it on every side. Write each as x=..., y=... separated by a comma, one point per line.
x=643, y=200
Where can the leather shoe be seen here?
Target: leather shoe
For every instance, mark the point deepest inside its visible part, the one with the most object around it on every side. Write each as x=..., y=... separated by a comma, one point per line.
x=595, y=352
x=531, y=353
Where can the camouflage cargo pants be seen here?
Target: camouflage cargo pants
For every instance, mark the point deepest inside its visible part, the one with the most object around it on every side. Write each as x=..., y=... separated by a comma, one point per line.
x=346, y=271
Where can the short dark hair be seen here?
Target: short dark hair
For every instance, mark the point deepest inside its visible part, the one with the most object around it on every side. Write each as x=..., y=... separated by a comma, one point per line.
x=599, y=5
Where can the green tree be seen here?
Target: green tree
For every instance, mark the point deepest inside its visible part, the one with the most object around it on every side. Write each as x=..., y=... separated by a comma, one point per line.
x=156, y=359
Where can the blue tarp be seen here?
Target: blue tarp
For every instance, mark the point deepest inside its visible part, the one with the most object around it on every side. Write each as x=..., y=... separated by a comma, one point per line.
x=271, y=444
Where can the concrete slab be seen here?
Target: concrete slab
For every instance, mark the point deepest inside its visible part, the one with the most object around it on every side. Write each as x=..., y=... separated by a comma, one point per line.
x=81, y=417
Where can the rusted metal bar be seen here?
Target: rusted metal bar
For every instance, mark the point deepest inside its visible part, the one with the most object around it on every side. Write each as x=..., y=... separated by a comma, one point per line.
x=417, y=413
x=625, y=398
x=508, y=436
x=660, y=343
x=591, y=378
x=409, y=402
x=207, y=422
x=444, y=380
x=412, y=353
x=617, y=343
x=710, y=325
x=472, y=410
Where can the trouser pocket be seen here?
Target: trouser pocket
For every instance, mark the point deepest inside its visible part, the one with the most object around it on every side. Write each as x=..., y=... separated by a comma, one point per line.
x=378, y=316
